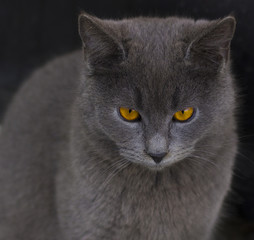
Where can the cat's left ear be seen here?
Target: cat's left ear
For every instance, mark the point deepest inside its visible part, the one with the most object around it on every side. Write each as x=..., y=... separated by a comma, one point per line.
x=212, y=45
x=102, y=49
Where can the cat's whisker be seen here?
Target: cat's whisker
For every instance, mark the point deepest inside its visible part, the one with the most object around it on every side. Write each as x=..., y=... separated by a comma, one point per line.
x=199, y=163
x=110, y=160
x=245, y=157
x=113, y=166
x=205, y=160
x=211, y=154
x=114, y=173
x=123, y=164
x=214, y=146
x=246, y=136
x=238, y=152
x=207, y=153
x=130, y=153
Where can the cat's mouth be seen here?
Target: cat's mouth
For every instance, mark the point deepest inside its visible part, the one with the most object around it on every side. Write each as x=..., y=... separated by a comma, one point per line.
x=147, y=161
x=168, y=160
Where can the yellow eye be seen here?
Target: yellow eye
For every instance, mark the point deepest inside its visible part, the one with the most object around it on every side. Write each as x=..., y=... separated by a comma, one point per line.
x=184, y=115
x=129, y=114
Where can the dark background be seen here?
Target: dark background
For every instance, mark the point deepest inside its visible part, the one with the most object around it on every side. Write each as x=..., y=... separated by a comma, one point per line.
x=33, y=31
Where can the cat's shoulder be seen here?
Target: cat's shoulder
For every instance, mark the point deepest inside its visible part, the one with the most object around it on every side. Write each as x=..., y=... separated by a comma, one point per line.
x=59, y=70
x=47, y=92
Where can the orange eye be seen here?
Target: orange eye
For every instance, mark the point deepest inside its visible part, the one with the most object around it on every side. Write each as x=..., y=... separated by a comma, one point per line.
x=184, y=115
x=129, y=114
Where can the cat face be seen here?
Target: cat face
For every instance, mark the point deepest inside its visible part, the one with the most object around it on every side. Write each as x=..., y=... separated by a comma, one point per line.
x=157, y=68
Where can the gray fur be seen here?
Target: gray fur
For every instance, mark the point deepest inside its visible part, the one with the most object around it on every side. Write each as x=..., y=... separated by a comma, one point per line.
x=72, y=168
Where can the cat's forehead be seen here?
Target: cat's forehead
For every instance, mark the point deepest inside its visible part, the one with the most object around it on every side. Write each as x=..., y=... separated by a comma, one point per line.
x=156, y=51
x=158, y=90
x=157, y=69
x=155, y=59
x=150, y=33
x=156, y=48
x=142, y=27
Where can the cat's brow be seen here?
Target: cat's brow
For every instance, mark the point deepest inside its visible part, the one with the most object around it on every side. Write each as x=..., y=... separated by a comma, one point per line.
x=138, y=98
x=175, y=98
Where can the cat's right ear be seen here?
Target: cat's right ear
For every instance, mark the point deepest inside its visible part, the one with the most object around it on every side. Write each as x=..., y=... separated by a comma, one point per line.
x=212, y=45
x=102, y=49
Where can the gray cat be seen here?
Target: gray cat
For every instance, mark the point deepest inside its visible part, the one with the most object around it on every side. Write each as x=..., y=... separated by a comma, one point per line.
x=133, y=138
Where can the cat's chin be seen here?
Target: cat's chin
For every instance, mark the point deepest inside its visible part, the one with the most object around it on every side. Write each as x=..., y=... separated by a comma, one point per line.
x=158, y=166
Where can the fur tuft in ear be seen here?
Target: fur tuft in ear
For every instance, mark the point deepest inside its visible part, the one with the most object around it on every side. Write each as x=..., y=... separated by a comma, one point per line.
x=213, y=44
x=102, y=49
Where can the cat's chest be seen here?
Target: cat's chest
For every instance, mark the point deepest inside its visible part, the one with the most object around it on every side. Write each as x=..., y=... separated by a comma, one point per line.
x=137, y=209
x=144, y=215
x=157, y=212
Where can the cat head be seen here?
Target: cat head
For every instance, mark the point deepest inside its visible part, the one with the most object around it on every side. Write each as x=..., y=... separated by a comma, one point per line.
x=157, y=88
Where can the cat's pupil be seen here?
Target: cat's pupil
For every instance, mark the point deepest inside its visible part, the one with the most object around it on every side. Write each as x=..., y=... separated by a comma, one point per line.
x=182, y=111
x=130, y=110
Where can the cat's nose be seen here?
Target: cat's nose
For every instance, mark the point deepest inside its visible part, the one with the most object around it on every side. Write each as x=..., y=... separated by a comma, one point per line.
x=156, y=146
x=157, y=157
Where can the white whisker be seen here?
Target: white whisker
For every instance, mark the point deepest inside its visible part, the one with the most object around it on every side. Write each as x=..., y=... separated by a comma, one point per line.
x=204, y=159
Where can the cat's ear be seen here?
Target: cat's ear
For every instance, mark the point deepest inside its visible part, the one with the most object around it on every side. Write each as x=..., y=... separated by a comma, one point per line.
x=102, y=49
x=212, y=45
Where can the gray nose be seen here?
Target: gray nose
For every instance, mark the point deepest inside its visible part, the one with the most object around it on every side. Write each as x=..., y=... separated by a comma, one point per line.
x=157, y=157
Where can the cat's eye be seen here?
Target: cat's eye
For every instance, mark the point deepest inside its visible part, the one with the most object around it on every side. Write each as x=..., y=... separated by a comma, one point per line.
x=129, y=114
x=184, y=115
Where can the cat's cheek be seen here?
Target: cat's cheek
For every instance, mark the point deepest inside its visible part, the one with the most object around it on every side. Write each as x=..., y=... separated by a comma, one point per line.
x=185, y=136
